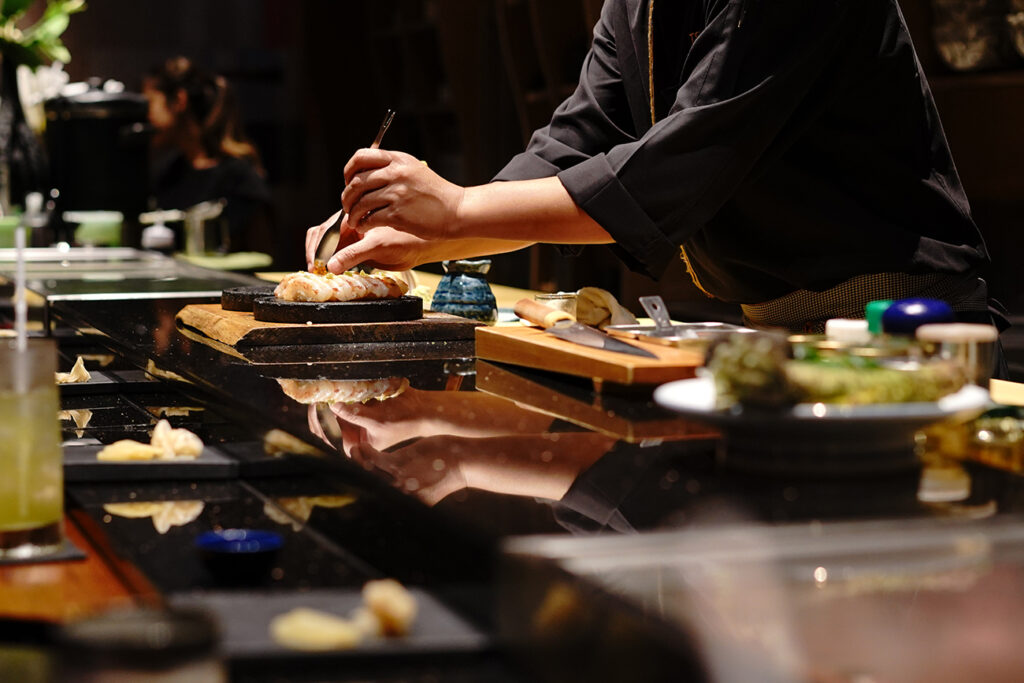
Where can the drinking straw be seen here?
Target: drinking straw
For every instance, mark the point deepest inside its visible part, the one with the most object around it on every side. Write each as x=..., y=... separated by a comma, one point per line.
x=22, y=446
x=20, y=304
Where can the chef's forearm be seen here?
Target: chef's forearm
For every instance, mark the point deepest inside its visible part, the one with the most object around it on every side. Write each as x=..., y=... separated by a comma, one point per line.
x=539, y=210
x=469, y=247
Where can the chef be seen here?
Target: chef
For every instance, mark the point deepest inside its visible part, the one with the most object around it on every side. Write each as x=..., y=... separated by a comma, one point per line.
x=789, y=151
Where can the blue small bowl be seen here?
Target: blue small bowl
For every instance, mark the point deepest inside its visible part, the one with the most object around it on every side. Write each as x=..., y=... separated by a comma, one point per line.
x=239, y=556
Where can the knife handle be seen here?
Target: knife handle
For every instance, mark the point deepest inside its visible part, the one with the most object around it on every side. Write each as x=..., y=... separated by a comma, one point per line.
x=539, y=314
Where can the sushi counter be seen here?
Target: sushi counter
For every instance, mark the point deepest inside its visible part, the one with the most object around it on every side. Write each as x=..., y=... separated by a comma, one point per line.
x=544, y=526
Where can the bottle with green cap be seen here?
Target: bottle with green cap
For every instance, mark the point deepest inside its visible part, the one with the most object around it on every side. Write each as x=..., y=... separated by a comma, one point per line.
x=873, y=313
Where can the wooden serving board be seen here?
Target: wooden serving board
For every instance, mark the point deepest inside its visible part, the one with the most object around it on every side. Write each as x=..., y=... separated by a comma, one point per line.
x=535, y=348
x=239, y=328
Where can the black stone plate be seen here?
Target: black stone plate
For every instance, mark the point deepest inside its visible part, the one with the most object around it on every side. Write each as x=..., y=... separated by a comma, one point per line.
x=110, y=382
x=99, y=383
x=80, y=464
x=242, y=298
x=245, y=622
x=273, y=310
x=253, y=460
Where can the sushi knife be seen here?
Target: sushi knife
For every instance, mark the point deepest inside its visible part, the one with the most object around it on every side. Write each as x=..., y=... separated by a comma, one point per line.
x=564, y=326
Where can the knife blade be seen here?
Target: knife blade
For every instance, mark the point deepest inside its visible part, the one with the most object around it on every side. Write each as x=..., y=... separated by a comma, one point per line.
x=564, y=326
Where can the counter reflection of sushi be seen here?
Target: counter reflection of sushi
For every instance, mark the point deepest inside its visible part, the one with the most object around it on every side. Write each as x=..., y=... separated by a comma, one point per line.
x=311, y=391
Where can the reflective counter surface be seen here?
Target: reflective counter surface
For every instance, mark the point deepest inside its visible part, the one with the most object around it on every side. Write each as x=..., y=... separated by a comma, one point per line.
x=427, y=485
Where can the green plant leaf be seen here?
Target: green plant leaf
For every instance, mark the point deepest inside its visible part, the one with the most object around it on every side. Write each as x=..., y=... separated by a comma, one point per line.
x=49, y=28
x=72, y=6
x=56, y=51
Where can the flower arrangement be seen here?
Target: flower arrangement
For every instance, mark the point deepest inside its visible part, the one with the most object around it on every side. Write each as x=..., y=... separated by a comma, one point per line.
x=28, y=40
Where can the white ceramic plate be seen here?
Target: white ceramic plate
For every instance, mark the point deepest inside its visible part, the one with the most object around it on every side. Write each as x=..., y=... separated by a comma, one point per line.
x=696, y=398
x=817, y=430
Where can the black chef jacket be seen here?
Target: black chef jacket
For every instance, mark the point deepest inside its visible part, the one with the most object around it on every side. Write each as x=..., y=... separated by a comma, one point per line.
x=796, y=145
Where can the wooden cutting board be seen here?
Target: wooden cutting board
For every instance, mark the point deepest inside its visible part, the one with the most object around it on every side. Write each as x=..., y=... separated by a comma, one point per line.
x=239, y=328
x=532, y=347
x=1006, y=393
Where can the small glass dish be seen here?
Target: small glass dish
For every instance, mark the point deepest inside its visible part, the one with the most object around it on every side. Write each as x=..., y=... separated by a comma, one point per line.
x=562, y=301
x=679, y=335
x=883, y=349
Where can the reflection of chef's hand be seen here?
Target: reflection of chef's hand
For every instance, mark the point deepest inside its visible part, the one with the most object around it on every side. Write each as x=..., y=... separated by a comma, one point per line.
x=163, y=331
x=415, y=413
x=538, y=465
x=382, y=424
x=317, y=429
x=428, y=469
x=398, y=190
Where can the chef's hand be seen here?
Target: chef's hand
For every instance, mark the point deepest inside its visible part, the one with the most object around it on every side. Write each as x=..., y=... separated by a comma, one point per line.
x=315, y=235
x=384, y=188
x=384, y=248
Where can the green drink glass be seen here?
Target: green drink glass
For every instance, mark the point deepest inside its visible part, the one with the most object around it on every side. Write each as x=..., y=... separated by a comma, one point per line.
x=31, y=461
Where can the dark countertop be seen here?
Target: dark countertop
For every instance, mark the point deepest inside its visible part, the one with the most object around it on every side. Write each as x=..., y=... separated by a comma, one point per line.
x=525, y=467
x=433, y=480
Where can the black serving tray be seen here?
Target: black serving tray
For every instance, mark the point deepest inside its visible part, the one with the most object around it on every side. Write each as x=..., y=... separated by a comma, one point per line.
x=245, y=624
x=81, y=465
x=110, y=382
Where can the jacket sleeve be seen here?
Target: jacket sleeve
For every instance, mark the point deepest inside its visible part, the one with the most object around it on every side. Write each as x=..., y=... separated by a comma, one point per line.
x=748, y=71
x=595, y=118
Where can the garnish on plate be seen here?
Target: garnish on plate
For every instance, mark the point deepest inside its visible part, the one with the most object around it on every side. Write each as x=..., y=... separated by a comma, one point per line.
x=757, y=370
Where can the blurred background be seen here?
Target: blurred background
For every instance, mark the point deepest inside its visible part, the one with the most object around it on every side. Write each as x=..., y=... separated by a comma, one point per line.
x=471, y=78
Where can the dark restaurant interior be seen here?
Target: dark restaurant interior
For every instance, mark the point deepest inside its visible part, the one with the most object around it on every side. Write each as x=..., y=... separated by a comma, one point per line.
x=636, y=481
x=472, y=80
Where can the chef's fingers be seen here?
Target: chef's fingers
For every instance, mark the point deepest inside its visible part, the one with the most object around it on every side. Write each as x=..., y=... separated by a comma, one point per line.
x=372, y=211
x=348, y=235
x=349, y=256
x=365, y=160
x=314, y=236
x=384, y=248
x=367, y=252
x=363, y=184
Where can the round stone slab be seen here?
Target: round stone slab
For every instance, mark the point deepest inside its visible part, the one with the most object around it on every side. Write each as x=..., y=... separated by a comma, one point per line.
x=274, y=310
x=241, y=298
